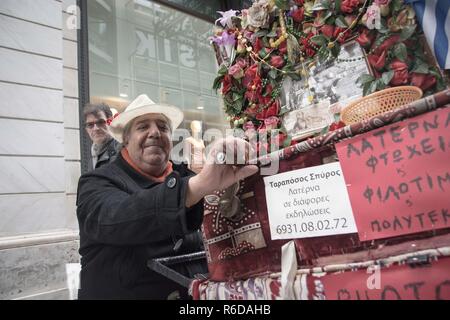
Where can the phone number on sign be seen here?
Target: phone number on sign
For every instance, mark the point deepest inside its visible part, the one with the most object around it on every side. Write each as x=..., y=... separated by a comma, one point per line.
x=338, y=223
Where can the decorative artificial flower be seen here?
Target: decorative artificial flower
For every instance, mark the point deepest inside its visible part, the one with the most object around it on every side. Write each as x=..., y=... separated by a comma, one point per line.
x=236, y=71
x=336, y=125
x=377, y=61
x=423, y=81
x=277, y=61
x=403, y=19
x=306, y=42
x=249, y=125
x=348, y=6
x=298, y=15
x=384, y=6
x=372, y=18
x=387, y=44
x=226, y=86
x=365, y=39
x=227, y=18
x=249, y=74
x=258, y=15
x=400, y=72
x=271, y=122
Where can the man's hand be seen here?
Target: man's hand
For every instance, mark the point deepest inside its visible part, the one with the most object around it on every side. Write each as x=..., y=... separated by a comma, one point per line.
x=225, y=165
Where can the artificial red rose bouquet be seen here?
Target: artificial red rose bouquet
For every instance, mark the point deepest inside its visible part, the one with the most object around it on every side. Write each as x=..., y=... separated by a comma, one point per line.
x=267, y=42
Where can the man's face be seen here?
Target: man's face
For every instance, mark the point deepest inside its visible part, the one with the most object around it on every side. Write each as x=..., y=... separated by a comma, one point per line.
x=149, y=143
x=96, y=128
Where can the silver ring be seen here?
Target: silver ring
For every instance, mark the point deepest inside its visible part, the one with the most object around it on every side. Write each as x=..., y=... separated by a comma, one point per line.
x=221, y=158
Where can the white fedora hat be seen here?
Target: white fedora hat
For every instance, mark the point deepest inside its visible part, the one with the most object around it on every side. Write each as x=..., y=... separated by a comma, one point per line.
x=140, y=106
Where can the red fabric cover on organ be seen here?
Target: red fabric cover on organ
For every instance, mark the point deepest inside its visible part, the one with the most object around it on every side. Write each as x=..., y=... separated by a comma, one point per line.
x=241, y=247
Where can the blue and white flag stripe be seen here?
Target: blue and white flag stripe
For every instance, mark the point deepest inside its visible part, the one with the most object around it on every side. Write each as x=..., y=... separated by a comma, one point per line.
x=434, y=17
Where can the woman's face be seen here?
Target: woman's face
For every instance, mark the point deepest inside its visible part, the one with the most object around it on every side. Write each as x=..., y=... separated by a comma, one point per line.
x=149, y=143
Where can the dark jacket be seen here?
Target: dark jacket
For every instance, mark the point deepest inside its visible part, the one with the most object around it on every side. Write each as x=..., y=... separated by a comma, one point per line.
x=125, y=220
x=109, y=155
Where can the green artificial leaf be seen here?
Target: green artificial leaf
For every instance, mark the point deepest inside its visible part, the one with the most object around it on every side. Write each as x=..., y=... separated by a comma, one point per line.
x=407, y=32
x=321, y=5
x=273, y=74
x=340, y=22
x=380, y=84
x=217, y=83
x=396, y=5
x=282, y=4
x=380, y=40
x=421, y=67
x=320, y=40
x=237, y=105
x=384, y=29
x=337, y=6
x=335, y=50
x=236, y=96
x=272, y=34
x=400, y=51
x=261, y=33
x=373, y=87
x=366, y=88
x=387, y=77
x=365, y=78
x=323, y=55
x=223, y=70
x=294, y=76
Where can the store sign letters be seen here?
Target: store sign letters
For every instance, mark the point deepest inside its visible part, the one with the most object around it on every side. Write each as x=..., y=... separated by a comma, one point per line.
x=398, y=177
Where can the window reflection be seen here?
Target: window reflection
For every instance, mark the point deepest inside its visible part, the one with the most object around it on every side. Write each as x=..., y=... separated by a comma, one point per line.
x=140, y=46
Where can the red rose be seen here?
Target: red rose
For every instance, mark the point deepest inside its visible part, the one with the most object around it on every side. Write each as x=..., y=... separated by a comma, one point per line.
x=377, y=61
x=423, y=81
x=283, y=47
x=299, y=2
x=336, y=125
x=400, y=72
x=226, y=84
x=364, y=38
x=268, y=90
x=327, y=30
x=277, y=61
x=258, y=45
x=298, y=15
x=344, y=36
x=348, y=6
x=250, y=74
x=273, y=110
x=307, y=45
x=388, y=43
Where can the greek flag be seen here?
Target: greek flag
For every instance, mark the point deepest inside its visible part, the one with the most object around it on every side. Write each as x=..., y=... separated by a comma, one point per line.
x=434, y=16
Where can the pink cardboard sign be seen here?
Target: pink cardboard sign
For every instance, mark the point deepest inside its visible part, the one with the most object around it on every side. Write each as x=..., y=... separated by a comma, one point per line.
x=398, y=176
x=399, y=282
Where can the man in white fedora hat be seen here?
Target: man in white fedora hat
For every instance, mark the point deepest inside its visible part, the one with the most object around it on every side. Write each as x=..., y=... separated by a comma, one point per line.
x=142, y=206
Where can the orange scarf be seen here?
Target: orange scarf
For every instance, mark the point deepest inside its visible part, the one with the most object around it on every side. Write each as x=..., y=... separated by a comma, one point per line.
x=161, y=178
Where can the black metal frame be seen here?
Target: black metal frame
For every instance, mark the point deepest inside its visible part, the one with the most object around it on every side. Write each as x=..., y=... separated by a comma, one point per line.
x=161, y=266
x=83, y=84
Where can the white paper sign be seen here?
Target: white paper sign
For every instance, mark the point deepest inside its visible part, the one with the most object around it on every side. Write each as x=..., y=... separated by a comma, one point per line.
x=311, y=202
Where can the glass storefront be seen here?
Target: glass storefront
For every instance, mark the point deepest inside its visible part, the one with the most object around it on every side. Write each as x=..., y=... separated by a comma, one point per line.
x=141, y=46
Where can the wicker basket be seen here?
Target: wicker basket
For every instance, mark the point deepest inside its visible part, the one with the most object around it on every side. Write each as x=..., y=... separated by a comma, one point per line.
x=379, y=102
